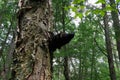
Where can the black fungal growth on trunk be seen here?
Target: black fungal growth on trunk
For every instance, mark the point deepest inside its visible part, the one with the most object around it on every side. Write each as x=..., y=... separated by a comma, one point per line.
x=59, y=40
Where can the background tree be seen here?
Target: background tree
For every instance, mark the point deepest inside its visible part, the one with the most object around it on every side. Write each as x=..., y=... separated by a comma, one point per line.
x=116, y=24
x=7, y=26
x=108, y=46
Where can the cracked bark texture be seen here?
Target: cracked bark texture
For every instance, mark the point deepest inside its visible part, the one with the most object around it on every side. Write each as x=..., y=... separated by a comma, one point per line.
x=31, y=58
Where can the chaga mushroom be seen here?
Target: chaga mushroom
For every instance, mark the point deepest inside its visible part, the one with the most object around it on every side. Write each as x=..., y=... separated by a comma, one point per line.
x=59, y=40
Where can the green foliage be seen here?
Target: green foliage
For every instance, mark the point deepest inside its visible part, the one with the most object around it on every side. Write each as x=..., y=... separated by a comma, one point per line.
x=87, y=52
x=7, y=25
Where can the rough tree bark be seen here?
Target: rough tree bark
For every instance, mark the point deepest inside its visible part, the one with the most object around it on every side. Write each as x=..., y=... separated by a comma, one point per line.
x=109, y=47
x=31, y=58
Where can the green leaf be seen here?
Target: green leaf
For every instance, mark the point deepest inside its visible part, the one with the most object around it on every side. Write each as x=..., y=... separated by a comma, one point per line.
x=82, y=7
x=87, y=12
x=80, y=15
x=74, y=9
x=101, y=1
x=108, y=8
x=99, y=11
x=77, y=1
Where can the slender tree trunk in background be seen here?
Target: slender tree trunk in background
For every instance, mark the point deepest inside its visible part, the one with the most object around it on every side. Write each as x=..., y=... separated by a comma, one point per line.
x=116, y=62
x=66, y=67
x=31, y=58
x=3, y=72
x=92, y=76
x=74, y=68
x=108, y=47
x=9, y=59
x=116, y=25
x=85, y=71
x=80, y=68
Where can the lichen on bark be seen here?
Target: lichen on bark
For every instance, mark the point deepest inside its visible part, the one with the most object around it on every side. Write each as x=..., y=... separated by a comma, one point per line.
x=31, y=58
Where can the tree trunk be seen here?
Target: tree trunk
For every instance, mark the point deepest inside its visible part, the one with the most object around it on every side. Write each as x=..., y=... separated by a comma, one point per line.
x=93, y=64
x=3, y=72
x=31, y=58
x=116, y=25
x=66, y=68
x=108, y=47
